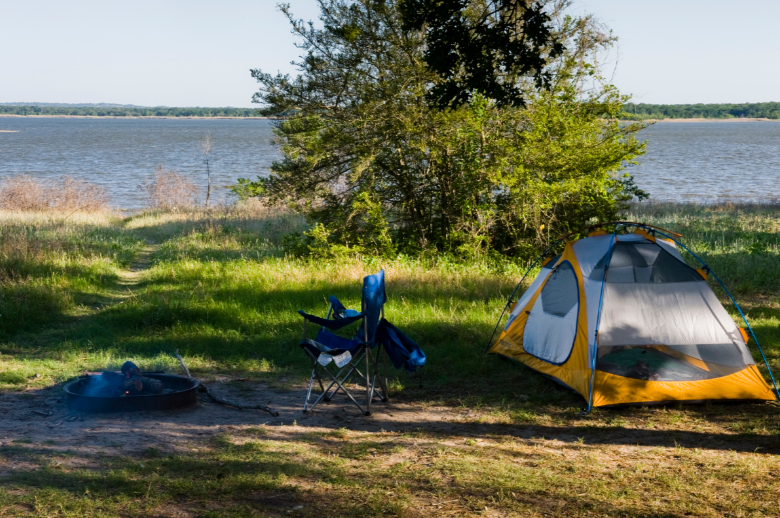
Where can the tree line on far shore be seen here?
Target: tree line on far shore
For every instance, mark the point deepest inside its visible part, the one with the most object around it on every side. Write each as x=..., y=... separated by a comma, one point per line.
x=121, y=111
x=632, y=111
x=701, y=111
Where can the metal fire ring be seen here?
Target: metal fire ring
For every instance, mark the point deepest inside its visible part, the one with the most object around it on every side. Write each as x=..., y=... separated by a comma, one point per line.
x=185, y=393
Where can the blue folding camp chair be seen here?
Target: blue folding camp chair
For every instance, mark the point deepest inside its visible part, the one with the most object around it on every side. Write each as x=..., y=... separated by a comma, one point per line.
x=375, y=337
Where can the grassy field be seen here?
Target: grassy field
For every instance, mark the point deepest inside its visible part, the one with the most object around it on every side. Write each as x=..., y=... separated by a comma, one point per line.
x=87, y=292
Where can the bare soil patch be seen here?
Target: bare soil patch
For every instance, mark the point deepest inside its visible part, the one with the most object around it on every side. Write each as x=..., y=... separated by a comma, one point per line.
x=192, y=427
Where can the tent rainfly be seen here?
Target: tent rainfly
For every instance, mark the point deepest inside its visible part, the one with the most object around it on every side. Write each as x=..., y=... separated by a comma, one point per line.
x=622, y=319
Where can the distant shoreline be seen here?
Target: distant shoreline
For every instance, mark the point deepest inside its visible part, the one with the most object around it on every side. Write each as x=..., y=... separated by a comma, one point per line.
x=126, y=117
x=702, y=119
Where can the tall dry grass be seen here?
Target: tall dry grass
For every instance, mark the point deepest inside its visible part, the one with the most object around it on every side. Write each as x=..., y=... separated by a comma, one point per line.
x=167, y=190
x=65, y=194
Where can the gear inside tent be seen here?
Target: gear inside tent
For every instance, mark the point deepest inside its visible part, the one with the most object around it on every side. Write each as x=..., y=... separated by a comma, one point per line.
x=622, y=319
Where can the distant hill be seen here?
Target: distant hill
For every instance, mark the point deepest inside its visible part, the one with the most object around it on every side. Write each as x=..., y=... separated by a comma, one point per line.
x=703, y=111
x=122, y=110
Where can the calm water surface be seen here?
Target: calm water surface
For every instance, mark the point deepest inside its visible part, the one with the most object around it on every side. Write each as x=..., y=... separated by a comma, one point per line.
x=693, y=161
x=119, y=153
x=711, y=161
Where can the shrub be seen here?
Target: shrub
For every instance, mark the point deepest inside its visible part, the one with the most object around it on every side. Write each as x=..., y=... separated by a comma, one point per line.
x=168, y=190
x=26, y=193
x=377, y=171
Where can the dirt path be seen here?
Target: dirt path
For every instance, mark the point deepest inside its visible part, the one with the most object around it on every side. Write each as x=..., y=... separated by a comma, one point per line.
x=42, y=418
x=129, y=278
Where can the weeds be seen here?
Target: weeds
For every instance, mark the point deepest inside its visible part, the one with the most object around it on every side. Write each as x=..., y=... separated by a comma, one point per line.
x=66, y=194
x=168, y=190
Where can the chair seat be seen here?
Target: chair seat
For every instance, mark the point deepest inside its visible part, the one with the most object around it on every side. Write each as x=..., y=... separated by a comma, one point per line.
x=333, y=345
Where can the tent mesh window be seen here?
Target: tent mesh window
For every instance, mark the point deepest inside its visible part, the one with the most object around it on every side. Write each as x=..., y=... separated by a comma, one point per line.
x=643, y=263
x=552, y=323
x=560, y=295
x=646, y=262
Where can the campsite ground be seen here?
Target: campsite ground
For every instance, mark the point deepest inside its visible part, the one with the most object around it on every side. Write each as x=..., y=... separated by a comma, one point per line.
x=479, y=436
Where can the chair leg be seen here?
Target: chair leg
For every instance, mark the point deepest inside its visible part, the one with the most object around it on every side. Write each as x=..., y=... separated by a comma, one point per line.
x=322, y=387
x=315, y=373
x=353, y=368
x=338, y=380
x=383, y=377
x=308, y=393
x=369, y=385
x=340, y=386
x=378, y=382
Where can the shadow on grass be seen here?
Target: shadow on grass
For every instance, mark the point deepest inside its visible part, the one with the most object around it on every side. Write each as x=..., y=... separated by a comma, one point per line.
x=272, y=227
x=239, y=325
x=300, y=474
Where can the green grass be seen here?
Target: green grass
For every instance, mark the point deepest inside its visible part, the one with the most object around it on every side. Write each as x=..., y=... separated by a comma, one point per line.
x=221, y=290
x=741, y=243
x=51, y=267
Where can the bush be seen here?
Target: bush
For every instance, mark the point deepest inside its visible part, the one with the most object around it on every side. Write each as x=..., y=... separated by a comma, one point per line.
x=168, y=190
x=25, y=193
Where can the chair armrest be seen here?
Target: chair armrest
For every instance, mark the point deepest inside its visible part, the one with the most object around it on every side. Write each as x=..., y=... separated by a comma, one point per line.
x=316, y=345
x=330, y=324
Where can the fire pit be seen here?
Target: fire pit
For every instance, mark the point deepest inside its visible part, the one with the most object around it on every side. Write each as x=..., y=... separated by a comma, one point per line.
x=106, y=393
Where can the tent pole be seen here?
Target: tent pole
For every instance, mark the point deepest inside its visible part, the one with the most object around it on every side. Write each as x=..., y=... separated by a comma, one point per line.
x=598, y=320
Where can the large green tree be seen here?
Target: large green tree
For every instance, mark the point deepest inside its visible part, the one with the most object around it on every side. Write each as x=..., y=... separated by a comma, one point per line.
x=375, y=168
x=483, y=47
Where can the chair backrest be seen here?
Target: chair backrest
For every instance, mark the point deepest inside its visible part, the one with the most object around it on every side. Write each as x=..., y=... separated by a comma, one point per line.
x=374, y=298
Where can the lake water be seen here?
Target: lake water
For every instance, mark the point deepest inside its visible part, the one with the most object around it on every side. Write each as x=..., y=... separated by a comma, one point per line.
x=711, y=161
x=119, y=153
x=692, y=161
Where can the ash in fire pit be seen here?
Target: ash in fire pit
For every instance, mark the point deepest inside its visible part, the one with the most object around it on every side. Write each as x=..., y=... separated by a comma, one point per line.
x=130, y=382
x=130, y=389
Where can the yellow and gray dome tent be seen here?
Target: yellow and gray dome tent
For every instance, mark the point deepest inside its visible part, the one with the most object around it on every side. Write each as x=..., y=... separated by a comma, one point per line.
x=622, y=319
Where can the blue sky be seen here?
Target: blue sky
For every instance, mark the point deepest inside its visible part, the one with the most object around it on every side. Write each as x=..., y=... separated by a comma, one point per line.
x=199, y=52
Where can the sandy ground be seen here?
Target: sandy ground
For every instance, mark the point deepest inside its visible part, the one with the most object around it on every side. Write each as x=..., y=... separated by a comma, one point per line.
x=41, y=416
